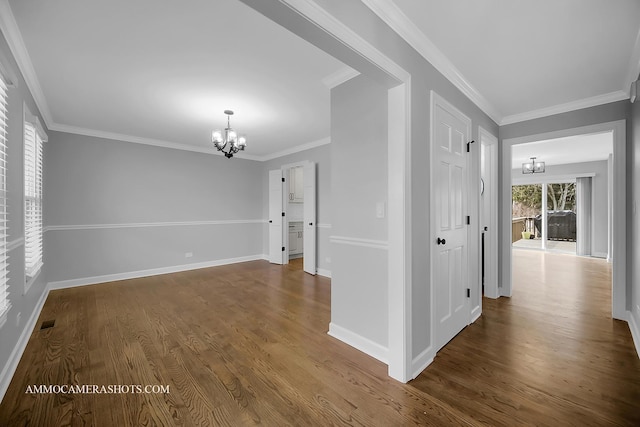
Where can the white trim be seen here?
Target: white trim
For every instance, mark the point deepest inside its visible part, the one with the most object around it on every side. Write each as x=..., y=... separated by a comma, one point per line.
x=140, y=140
x=72, y=283
x=399, y=275
x=359, y=342
x=618, y=297
x=475, y=314
x=399, y=218
x=602, y=255
x=635, y=331
x=329, y=23
x=341, y=76
x=296, y=149
x=324, y=272
x=7, y=71
x=421, y=361
x=490, y=143
x=185, y=147
x=363, y=243
x=323, y=225
x=391, y=14
x=152, y=224
x=15, y=244
x=12, y=34
x=12, y=363
x=593, y=101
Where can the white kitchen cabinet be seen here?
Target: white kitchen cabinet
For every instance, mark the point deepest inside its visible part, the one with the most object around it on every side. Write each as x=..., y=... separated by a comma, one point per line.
x=296, y=243
x=296, y=185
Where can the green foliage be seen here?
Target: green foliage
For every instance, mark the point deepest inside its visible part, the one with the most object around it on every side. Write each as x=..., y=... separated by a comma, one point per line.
x=528, y=195
x=559, y=196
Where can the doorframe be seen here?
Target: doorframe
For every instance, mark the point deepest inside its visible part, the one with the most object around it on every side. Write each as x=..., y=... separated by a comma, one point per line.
x=490, y=144
x=619, y=274
x=285, y=202
x=402, y=366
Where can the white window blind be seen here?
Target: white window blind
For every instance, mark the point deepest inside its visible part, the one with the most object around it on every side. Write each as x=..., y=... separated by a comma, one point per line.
x=4, y=293
x=32, y=200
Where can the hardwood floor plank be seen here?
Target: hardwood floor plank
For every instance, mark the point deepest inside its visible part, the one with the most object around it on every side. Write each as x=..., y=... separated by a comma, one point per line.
x=246, y=344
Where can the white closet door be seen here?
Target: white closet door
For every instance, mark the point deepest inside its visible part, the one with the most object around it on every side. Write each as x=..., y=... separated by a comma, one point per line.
x=276, y=220
x=310, y=218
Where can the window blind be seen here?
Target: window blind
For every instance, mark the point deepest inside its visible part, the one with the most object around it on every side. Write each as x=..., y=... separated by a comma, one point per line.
x=32, y=200
x=4, y=292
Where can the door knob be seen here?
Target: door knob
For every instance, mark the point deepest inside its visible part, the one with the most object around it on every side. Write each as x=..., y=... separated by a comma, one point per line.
x=441, y=241
x=270, y=221
x=310, y=223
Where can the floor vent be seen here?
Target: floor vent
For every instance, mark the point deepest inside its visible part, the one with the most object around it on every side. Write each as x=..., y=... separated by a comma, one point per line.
x=47, y=324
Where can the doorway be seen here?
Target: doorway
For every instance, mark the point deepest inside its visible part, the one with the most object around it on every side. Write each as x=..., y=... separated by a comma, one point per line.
x=292, y=215
x=616, y=211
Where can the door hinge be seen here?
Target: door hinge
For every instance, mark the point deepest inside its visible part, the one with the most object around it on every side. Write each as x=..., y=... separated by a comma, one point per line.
x=283, y=177
x=468, y=293
x=468, y=144
x=283, y=249
x=282, y=213
x=468, y=220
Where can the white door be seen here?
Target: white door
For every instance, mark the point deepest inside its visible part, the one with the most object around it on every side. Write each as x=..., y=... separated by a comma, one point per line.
x=309, y=238
x=489, y=173
x=451, y=304
x=276, y=220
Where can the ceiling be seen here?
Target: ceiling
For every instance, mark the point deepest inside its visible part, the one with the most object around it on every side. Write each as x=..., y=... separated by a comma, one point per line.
x=522, y=59
x=161, y=72
x=560, y=151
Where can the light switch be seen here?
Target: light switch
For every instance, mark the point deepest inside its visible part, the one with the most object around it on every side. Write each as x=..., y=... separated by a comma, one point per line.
x=380, y=209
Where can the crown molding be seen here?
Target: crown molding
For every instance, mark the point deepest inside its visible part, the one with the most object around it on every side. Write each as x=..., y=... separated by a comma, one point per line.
x=140, y=140
x=391, y=14
x=339, y=77
x=12, y=34
x=56, y=127
x=563, y=108
x=296, y=149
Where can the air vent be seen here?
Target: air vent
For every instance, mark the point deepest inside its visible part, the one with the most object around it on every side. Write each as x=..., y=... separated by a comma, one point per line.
x=48, y=324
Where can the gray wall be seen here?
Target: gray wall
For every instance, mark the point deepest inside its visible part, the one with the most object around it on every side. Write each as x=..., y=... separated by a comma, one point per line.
x=21, y=304
x=112, y=207
x=599, y=206
x=321, y=156
x=359, y=292
x=424, y=78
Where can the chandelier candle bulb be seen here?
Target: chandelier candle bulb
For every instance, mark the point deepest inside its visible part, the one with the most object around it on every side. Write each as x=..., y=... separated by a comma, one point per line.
x=231, y=138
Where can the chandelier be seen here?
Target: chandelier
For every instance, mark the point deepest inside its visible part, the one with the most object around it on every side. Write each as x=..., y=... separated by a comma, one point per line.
x=533, y=167
x=228, y=139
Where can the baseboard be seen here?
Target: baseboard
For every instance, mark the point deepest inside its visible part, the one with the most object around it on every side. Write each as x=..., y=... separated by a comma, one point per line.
x=359, y=342
x=599, y=255
x=420, y=362
x=634, y=326
x=475, y=314
x=324, y=272
x=12, y=364
x=63, y=284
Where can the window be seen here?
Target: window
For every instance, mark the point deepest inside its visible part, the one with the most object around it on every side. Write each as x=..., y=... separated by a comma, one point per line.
x=33, y=139
x=5, y=305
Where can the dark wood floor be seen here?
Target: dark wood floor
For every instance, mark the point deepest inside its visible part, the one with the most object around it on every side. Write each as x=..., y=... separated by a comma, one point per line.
x=247, y=344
